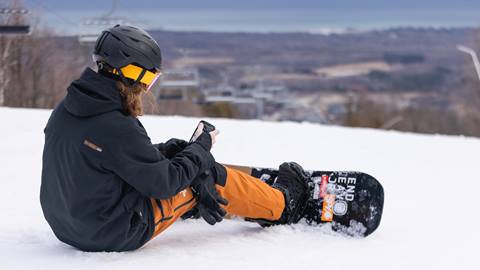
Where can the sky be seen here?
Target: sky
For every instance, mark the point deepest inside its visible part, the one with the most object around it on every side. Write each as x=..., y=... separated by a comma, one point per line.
x=263, y=4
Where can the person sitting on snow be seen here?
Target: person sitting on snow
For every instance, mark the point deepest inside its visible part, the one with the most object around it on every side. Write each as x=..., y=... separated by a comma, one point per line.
x=106, y=187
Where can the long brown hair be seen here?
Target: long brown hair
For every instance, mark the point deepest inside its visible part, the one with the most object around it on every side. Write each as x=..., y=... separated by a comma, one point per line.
x=132, y=98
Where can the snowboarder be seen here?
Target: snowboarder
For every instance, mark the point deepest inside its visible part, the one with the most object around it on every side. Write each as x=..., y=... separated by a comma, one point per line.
x=106, y=187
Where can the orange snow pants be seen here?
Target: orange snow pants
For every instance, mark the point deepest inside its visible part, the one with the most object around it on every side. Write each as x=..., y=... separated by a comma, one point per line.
x=247, y=197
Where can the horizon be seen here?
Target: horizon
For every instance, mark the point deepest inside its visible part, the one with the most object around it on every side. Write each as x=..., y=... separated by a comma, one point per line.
x=323, y=21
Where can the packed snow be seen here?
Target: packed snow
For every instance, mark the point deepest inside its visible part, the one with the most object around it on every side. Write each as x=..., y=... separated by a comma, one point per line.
x=430, y=218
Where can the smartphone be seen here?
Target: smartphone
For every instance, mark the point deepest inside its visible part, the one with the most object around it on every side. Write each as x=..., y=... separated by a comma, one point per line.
x=207, y=127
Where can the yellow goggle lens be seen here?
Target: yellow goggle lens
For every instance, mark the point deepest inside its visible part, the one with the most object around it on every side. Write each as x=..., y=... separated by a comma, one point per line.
x=133, y=72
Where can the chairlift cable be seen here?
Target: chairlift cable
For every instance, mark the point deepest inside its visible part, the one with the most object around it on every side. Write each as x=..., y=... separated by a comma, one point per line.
x=49, y=10
x=112, y=9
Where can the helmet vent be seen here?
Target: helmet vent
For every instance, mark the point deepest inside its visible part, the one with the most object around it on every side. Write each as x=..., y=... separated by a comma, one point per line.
x=147, y=36
x=154, y=52
x=134, y=39
x=125, y=54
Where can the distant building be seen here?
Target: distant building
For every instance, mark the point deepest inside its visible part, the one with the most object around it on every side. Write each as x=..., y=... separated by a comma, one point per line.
x=179, y=84
x=179, y=93
x=251, y=103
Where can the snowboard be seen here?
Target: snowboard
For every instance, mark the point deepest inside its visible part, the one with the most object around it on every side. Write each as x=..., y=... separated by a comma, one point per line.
x=352, y=202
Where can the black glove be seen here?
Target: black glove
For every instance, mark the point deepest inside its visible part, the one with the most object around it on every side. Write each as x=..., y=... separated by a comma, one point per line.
x=219, y=173
x=205, y=141
x=208, y=199
x=192, y=213
x=172, y=147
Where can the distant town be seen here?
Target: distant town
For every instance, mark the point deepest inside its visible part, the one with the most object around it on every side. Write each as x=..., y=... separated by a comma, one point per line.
x=397, y=78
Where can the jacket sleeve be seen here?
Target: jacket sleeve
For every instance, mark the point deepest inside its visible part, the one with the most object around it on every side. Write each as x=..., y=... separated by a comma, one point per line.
x=140, y=163
x=159, y=146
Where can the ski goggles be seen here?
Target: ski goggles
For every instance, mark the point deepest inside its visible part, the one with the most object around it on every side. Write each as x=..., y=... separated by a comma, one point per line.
x=139, y=74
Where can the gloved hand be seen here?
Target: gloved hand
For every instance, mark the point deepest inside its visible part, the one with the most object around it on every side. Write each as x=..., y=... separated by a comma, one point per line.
x=208, y=199
x=192, y=213
x=173, y=146
x=205, y=140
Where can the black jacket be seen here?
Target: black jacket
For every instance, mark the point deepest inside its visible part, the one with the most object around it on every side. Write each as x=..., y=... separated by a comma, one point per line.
x=100, y=169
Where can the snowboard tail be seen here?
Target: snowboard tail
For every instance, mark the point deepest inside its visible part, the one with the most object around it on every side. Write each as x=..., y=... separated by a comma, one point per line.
x=352, y=202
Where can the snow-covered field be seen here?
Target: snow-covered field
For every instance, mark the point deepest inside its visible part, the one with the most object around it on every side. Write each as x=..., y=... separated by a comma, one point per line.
x=430, y=220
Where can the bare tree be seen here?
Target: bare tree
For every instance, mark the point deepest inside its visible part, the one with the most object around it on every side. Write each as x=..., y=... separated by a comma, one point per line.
x=4, y=76
x=6, y=43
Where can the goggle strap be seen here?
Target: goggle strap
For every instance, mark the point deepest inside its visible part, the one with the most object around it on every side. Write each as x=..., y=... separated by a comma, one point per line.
x=140, y=77
x=123, y=78
x=130, y=81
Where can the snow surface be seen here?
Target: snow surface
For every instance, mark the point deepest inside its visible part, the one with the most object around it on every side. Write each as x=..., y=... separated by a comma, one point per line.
x=430, y=219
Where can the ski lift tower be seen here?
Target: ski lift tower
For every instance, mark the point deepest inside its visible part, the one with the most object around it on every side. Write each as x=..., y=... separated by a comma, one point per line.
x=14, y=29
x=92, y=27
x=473, y=54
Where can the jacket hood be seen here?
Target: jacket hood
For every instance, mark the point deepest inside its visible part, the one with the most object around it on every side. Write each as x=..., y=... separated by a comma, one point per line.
x=92, y=94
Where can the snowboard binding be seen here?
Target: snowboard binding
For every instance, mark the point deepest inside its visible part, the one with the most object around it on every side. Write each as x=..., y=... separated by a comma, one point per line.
x=295, y=183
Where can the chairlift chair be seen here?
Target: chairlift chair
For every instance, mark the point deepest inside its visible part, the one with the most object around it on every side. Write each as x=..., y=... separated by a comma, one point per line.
x=22, y=29
x=14, y=29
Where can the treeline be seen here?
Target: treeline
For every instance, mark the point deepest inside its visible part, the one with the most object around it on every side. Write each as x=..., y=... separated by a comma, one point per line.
x=406, y=59
x=463, y=119
x=421, y=81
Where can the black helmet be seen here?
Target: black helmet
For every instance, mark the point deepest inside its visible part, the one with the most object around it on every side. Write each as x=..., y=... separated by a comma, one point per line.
x=121, y=45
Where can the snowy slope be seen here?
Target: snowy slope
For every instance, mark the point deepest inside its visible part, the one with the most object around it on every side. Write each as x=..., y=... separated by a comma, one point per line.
x=430, y=217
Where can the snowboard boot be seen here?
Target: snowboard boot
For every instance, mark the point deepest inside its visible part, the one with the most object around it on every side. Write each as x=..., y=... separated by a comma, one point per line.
x=292, y=181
